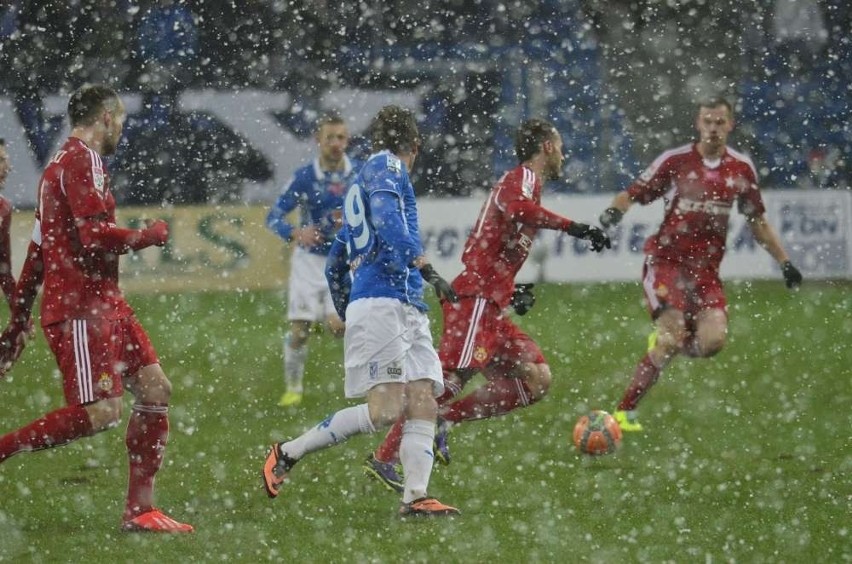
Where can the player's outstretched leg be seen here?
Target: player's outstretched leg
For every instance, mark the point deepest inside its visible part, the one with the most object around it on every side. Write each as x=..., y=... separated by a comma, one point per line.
x=645, y=375
x=55, y=429
x=333, y=430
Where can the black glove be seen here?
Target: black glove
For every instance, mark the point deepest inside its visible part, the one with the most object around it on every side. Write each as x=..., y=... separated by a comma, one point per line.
x=792, y=276
x=610, y=216
x=596, y=235
x=442, y=287
x=522, y=298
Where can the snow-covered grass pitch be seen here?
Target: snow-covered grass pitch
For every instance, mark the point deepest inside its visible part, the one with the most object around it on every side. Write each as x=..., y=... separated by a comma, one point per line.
x=745, y=457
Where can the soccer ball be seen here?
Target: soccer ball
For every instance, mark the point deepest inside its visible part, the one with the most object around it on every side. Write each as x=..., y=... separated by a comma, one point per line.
x=597, y=432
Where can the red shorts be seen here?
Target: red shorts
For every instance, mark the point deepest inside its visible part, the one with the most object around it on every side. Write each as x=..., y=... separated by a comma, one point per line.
x=477, y=335
x=95, y=354
x=685, y=289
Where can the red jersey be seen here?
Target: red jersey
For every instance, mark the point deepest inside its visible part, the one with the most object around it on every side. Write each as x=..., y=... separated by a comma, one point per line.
x=699, y=196
x=80, y=282
x=499, y=244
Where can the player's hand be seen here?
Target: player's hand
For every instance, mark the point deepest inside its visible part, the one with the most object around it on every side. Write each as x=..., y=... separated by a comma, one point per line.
x=156, y=232
x=596, y=235
x=309, y=236
x=12, y=342
x=610, y=216
x=792, y=276
x=442, y=287
x=523, y=298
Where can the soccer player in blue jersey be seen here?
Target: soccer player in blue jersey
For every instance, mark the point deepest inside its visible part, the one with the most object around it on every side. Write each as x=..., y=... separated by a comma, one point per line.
x=376, y=270
x=317, y=191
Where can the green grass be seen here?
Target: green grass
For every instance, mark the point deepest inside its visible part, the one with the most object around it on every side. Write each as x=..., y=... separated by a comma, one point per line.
x=746, y=456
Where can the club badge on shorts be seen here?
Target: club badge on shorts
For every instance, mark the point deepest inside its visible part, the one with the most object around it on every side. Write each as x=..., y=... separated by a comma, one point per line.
x=105, y=382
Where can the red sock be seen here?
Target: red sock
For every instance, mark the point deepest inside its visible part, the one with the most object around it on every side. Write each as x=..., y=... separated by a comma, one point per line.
x=644, y=377
x=57, y=428
x=388, y=451
x=496, y=397
x=147, y=433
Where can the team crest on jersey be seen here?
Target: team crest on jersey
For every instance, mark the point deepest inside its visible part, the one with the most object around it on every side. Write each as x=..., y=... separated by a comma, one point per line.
x=480, y=354
x=105, y=382
x=98, y=178
x=374, y=371
x=662, y=291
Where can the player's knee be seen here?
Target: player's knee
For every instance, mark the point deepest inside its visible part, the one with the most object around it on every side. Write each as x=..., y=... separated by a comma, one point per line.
x=337, y=328
x=104, y=414
x=538, y=381
x=420, y=401
x=153, y=387
x=669, y=342
x=711, y=345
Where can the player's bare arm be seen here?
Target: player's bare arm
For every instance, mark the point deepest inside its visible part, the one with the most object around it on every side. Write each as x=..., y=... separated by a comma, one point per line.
x=768, y=238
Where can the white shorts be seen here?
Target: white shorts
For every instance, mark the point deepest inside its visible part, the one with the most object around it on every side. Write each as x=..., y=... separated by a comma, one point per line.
x=388, y=341
x=308, y=296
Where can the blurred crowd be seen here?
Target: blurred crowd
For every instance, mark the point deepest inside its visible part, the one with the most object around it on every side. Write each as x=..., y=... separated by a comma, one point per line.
x=618, y=77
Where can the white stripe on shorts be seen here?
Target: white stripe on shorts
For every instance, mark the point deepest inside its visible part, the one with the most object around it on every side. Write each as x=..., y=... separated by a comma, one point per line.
x=470, y=338
x=82, y=360
x=648, y=284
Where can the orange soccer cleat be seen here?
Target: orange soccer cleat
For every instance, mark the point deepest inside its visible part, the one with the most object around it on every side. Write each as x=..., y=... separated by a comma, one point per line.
x=275, y=470
x=427, y=507
x=155, y=521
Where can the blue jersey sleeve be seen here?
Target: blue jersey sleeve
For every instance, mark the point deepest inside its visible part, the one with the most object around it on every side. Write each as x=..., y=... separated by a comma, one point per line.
x=391, y=226
x=276, y=219
x=337, y=273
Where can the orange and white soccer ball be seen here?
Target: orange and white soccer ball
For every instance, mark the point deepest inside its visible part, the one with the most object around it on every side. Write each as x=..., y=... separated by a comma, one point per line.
x=597, y=432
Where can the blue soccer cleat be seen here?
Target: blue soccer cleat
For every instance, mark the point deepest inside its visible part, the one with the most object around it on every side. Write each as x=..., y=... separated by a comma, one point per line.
x=385, y=472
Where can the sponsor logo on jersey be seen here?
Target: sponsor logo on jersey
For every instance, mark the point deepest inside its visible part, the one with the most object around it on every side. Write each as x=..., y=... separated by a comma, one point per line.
x=713, y=208
x=394, y=371
x=105, y=382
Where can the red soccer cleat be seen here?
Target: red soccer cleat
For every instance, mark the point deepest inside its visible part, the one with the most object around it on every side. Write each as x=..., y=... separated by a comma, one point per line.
x=155, y=521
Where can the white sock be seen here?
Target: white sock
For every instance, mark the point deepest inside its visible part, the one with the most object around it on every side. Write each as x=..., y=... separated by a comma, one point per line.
x=294, y=365
x=415, y=453
x=336, y=428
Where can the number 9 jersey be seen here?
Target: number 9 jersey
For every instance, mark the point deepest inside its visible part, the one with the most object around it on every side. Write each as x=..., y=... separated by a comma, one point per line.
x=382, y=234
